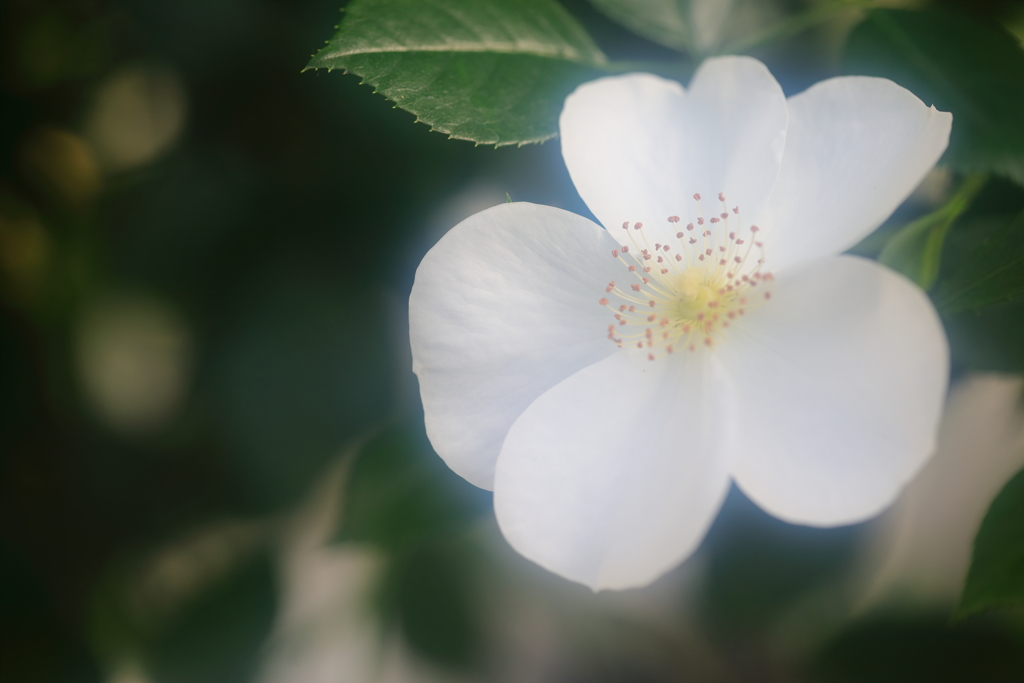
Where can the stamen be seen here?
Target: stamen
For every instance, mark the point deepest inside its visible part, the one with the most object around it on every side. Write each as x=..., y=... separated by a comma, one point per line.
x=692, y=298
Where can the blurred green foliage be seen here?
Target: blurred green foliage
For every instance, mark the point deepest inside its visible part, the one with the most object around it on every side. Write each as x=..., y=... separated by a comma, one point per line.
x=996, y=577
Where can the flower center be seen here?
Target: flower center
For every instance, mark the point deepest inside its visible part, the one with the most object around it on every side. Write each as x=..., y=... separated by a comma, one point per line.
x=684, y=298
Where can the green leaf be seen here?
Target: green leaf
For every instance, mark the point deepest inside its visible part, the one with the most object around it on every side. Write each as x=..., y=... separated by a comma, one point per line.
x=432, y=593
x=665, y=22
x=916, y=249
x=973, y=69
x=401, y=494
x=992, y=274
x=996, y=576
x=989, y=339
x=491, y=72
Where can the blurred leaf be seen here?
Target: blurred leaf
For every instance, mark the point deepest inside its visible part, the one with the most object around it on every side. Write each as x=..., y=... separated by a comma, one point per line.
x=973, y=69
x=400, y=494
x=920, y=649
x=663, y=21
x=431, y=594
x=491, y=72
x=194, y=613
x=992, y=274
x=988, y=339
x=916, y=249
x=996, y=576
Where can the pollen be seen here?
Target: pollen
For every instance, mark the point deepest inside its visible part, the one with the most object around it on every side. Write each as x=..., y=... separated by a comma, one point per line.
x=692, y=300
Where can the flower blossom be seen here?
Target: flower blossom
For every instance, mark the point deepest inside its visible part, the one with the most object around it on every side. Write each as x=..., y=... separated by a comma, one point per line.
x=609, y=383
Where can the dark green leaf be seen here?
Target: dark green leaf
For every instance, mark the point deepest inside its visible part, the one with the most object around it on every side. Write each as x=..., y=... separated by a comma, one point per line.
x=996, y=576
x=919, y=648
x=992, y=274
x=400, y=494
x=431, y=594
x=492, y=72
x=959, y=64
x=989, y=339
x=663, y=21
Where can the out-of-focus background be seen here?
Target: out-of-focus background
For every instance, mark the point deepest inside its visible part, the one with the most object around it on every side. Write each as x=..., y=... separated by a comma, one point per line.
x=212, y=463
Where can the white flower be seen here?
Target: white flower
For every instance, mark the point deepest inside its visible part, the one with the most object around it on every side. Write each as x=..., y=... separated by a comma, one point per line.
x=820, y=403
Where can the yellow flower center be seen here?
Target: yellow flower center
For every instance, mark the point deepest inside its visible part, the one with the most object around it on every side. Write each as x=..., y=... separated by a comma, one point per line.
x=685, y=298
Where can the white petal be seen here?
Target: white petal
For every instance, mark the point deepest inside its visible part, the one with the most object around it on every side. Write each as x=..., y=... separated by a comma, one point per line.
x=856, y=148
x=504, y=307
x=639, y=146
x=612, y=477
x=839, y=381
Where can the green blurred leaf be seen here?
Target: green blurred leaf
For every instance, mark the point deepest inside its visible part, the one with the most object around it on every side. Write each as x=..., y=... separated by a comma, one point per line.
x=973, y=69
x=996, y=576
x=916, y=249
x=491, y=72
x=992, y=274
x=989, y=339
x=920, y=648
x=665, y=22
x=401, y=494
x=197, y=610
x=431, y=594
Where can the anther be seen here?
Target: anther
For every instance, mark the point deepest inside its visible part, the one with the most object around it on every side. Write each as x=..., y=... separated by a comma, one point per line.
x=625, y=249
x=615, y=253
x=721, y=197
x=696, y=196
x=635, y=287
x=603, y=301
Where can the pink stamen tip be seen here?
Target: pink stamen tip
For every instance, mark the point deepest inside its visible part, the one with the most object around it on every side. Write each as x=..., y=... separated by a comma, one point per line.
x=721, y=197
x=696, y=196
x=603, y=301
x=735, y=209
x=714, y=219
x=615, y=253
x=724, y=215
x=679, y=235
x=700, y=221
x=651, y=303
x=679, y=257
x=638, y=225
x=625, y=225
x=651, y=317
x=635, y=288
x=754, y=228
x=625, y=249
x=650, y=356
x=689, y=226
x=632, y=269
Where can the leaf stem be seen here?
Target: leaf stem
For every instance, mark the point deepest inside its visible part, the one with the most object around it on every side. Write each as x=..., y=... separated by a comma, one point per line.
x=793, y=25
x=916, y=249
